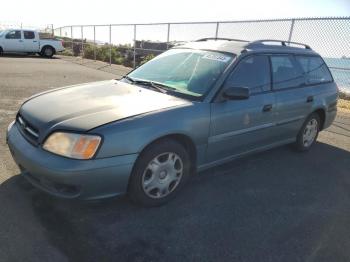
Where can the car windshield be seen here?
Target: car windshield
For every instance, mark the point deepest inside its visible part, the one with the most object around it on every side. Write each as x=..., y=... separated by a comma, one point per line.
x=185, y=71
x=1, y=33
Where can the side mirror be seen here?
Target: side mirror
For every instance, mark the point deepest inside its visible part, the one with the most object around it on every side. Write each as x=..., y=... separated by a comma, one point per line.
x=236, y=93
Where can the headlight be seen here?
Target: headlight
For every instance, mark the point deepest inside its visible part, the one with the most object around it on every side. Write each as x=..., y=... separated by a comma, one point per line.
x=72, y=145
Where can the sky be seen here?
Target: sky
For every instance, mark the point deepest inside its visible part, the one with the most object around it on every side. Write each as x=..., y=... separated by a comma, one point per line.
x=331, y=39
x=78, y=12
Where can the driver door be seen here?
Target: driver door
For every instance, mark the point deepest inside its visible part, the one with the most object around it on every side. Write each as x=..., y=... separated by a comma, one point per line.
x=13, y=41
x=240, y=126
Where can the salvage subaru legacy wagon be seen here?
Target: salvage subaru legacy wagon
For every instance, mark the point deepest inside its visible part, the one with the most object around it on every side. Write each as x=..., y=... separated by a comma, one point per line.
x=193, y=107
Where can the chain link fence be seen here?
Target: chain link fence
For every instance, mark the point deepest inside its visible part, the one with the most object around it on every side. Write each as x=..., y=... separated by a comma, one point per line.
x=132, y=44
x=46, y=29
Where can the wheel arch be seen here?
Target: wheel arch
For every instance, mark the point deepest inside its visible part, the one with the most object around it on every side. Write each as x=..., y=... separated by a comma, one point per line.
x=183, y=140
x=322, y=114
x=42, y=49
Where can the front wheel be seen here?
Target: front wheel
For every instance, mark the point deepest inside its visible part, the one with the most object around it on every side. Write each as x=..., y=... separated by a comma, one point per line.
x=308, y=133
x=159, y=173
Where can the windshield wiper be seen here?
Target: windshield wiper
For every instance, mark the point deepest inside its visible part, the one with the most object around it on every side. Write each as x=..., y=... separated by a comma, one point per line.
x=129, y=79
x=162, y=86
x=155, y=85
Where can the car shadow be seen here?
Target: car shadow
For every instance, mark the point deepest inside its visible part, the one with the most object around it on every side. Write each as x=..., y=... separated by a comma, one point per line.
x=274, y=206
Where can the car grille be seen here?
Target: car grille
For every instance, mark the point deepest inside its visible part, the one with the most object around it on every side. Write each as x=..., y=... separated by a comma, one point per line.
x=28, y=130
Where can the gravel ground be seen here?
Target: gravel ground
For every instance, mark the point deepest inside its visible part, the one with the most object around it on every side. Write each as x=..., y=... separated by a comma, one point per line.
x=275, y=206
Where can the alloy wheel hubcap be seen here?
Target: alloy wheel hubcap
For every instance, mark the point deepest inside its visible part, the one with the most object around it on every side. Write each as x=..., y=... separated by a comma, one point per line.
x=48, y=51
x=310, y=132
x=162, y=175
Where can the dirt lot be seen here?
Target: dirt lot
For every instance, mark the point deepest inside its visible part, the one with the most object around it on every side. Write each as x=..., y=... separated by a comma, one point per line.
x=275, y=206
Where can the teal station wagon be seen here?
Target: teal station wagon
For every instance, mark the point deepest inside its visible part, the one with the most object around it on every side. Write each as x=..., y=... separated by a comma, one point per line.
x=191, y=108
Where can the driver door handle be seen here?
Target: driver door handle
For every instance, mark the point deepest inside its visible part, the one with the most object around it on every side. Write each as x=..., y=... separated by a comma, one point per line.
x=267, y=108
x=309, y=99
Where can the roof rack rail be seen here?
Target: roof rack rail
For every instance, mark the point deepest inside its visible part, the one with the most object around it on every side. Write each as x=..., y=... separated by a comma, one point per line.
x=282, y=42
x=220, y=38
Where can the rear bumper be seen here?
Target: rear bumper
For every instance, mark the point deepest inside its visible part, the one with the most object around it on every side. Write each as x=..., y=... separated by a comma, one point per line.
x=60, y=50
x=69, y=178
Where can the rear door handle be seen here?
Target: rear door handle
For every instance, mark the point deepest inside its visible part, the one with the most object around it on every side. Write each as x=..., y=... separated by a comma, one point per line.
x=35, y=41
x=309, y=99
x=267, y=108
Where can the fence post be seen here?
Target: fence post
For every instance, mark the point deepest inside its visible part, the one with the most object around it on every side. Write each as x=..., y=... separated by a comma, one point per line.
x=71, y=37
x=95, y=43
x=52, y=31
x=82, y=42
x=110, y=45
x=168, y=37
x=291, y=30
x=134, y=46
x=217, y=30
x=60, y=31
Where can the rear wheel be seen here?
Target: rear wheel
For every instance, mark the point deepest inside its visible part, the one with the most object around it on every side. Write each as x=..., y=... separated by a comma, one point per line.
x=308, y=133
x=1, y=51
x=159, y=173
x=48, y=51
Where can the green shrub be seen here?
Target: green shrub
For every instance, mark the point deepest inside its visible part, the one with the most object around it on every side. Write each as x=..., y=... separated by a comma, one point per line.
x=67, y=52
x=120, y=55
x=89, y=52
x=147, y=58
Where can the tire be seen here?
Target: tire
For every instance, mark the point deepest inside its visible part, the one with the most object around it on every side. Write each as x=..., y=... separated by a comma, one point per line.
x=48, y=51
x=308, y=133
x=159, y=173
x=1, y=51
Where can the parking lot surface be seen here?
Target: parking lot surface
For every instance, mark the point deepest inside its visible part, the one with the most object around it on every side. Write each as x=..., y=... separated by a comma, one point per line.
x=274, y=206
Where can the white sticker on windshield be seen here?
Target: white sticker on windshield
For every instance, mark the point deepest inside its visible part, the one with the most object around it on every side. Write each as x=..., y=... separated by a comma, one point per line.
x=221, y=58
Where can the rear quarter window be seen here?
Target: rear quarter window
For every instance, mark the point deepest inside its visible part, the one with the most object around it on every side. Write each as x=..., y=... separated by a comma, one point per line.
x=315, y=69
x=285, y=72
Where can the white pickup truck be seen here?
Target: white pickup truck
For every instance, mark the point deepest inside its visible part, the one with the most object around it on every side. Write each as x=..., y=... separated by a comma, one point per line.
x=28, y=41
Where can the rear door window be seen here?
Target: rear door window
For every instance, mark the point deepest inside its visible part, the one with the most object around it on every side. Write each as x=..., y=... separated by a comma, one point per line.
x=315, y=69
x=285, y=72
x=252, y=72
x=28, y=34
x=15, y=34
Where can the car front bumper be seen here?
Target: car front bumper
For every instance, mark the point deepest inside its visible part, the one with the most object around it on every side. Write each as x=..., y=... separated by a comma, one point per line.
x=70, y=178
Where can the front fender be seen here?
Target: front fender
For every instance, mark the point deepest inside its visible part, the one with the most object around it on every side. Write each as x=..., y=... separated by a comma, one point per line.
x=132, y=135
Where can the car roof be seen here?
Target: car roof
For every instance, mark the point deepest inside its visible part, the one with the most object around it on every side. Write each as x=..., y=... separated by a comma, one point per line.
x=17, y=29
x=237, y=46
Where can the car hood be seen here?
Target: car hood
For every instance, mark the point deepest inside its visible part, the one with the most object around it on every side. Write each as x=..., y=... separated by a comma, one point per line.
x=86, y=106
